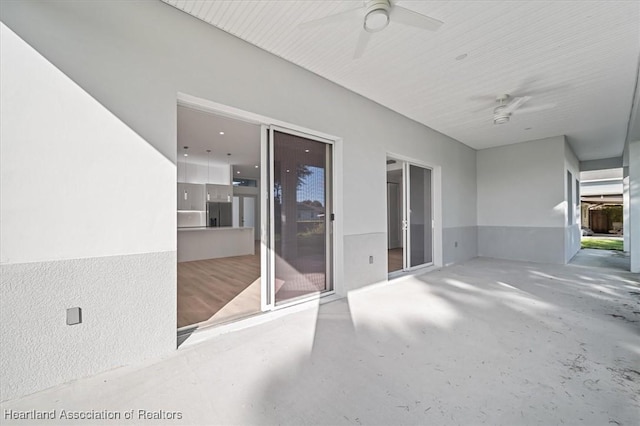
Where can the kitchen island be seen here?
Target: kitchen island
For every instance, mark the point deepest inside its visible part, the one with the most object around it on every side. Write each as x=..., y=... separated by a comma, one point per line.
x=198, y=243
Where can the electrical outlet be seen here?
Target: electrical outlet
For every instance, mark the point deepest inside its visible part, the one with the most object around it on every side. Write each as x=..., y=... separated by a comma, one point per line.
x=74, y=316
x=370, y=259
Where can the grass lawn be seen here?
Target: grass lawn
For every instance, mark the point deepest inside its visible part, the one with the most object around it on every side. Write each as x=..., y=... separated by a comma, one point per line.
x=601, y=243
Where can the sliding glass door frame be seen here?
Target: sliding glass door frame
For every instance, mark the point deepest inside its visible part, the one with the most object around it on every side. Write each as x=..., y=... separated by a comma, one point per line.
x=407, y=220
x=427, y=226
x=267, y=123
x=268, y=254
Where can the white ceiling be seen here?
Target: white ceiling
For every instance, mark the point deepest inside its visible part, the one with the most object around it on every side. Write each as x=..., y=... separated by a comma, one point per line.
x=200, y=131
x=581, y=57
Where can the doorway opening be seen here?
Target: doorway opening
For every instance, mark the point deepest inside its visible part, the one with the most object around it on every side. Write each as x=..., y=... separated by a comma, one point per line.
x=410, y=216
x=255, y=227
x=219, y=276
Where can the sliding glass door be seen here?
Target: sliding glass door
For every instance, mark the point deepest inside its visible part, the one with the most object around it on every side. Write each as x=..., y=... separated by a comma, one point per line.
x=300, y=170
x=419, y=217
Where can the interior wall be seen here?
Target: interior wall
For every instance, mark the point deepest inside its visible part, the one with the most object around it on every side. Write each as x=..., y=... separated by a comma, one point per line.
x=247, y=190
x=521, y=201
x=133, y=58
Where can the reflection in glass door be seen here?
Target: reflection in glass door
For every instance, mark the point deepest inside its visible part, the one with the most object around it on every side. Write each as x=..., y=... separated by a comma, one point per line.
x=301, y=213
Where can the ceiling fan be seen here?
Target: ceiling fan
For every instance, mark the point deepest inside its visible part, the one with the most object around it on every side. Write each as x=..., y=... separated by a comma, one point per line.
x=508, y=105
x=375, y=16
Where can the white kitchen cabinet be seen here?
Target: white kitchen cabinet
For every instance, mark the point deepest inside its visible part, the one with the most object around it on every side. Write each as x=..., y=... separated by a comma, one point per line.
x=217, y=192
x=191, y=196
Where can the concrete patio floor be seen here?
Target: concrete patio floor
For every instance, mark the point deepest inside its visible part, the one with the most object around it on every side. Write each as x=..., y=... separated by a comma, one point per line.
x=483, y=342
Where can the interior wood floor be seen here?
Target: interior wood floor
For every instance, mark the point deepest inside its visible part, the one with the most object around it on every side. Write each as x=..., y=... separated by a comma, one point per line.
x=394, y=259
x=213, y=291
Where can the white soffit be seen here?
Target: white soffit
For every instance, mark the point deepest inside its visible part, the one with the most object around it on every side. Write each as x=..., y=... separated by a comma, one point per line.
x=581, y=57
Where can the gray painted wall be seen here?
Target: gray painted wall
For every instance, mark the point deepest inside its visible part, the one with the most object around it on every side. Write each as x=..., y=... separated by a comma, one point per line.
x=528, y=243
x=603, y=164
x=123, y=303
x=521, y=201
x=459, y=244
x=131, y=59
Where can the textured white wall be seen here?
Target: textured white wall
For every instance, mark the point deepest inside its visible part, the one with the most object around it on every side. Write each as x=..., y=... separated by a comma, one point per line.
x=76, y=182
x=84, y=201
x=522, y=184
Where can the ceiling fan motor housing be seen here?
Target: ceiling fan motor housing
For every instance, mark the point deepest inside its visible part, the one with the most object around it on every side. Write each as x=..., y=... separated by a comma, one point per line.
x=376, y=16
x=500, y=116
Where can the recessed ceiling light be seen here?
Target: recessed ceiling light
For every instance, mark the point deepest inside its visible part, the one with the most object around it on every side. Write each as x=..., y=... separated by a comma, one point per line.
x=186, y=155
x=256, y=167
x=306, y=150
x=287, y=170
x=461, y=57
x=238, y=172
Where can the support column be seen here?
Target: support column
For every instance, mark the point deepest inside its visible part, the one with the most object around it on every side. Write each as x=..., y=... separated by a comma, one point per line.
x=634, y=205
x=625, y=209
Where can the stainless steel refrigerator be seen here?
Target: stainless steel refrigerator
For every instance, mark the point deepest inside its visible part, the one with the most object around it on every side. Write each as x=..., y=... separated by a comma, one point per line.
x=219, y=214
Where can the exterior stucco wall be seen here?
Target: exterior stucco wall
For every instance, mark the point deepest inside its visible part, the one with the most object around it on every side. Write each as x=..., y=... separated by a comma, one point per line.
x=521, y=201
x=111, y=73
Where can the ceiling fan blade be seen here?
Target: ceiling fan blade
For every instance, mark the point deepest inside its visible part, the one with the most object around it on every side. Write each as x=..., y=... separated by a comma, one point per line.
x=516, y=103
x=404, y=16
x=347, y=15
x=535, y=108
x=363, y=41
x=487, y=99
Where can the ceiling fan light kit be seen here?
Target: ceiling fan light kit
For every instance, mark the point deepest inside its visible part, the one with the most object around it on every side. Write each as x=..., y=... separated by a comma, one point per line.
x=501, y=118
x=502, y=113
x=376, y=17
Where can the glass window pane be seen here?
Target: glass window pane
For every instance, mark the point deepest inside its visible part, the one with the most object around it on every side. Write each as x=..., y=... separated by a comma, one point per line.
x=420, y=216
x=300, y=216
